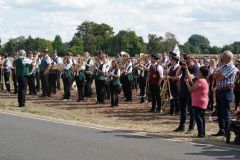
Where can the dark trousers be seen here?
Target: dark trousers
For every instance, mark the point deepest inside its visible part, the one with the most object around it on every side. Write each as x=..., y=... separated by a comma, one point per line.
x=44, y=84
x=87, y=86
x=52, y=80
x=211, y=99
x=224, y=100
x=22, y=87
x=200, y=120
x=114, y=94
x=7, y=81
x=135, y=83
x=174, y=102
x=100, y=89
x=31, y=84
x=185, y=104
x=142, y=86
x=237, y=98
x=38, y=77
x=14, y=78
x=127, y=88
x=67, y=83
x=155, y=96
x=107, y=89
x=80, y=87
x=59, y=80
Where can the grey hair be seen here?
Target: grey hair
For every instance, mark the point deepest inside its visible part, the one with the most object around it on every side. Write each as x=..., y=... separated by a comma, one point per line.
x=22, y=52
x=228, y=54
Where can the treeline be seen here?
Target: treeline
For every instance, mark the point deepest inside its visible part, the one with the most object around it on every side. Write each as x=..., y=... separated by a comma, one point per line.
x=93, y=37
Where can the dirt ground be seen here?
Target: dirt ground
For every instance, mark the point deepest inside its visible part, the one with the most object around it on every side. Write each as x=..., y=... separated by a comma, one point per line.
x=129, y=116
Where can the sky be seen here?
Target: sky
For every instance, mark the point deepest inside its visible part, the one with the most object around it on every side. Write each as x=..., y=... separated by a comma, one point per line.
x=218, y=20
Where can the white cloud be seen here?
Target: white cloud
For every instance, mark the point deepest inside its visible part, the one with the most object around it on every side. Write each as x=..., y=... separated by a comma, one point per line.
x=216, y=19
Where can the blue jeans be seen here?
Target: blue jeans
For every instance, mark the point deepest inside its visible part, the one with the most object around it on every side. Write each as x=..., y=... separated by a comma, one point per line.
x=200, y=120
x=224, y=100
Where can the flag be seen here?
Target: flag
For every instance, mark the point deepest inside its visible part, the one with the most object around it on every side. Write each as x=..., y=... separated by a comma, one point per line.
x=176, y=50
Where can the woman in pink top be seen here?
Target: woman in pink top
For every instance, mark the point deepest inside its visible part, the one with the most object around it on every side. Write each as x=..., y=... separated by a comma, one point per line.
x=199, y=93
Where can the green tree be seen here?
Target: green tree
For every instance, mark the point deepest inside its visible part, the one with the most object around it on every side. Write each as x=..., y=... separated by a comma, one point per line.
x=76, y=46
x=154, y=44
x=169, y=42
x=57, y=44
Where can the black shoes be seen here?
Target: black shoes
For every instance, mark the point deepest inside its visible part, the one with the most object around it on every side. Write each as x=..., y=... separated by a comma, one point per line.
x=179, y=129
x=218, y=134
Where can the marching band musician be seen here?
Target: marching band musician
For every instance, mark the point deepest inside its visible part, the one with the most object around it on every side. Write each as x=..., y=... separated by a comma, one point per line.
x=52, y=79
x=14, y=78
x=115, y=85
x=88, y=74
x=67, y=76
x=80, y=78
x=100, y=78
x=154, y=79
x=144, y=69
x=6, y=72
x=127, y=78
x=31, y=78
x=174, y=85
x=22, y=71
x=96, y=75
x=44, y=69
x=38, y=57
x=58, y=61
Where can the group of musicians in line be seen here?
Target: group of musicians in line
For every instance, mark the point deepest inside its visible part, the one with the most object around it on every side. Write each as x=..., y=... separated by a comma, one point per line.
x=146, y=72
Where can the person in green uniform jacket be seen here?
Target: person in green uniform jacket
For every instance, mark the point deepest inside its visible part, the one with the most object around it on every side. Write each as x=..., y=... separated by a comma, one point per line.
x=22, y=72
x=80, y=78
x=115, y=85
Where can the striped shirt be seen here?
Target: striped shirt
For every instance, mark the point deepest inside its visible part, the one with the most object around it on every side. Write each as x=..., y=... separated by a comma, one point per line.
x=229, y=72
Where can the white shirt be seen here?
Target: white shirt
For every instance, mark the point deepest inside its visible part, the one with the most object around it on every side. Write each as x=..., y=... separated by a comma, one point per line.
x=113, y=72
x=58, y=60
x=148, y=65
x=128, y=67
x=105, y=68
x=25, y=60
x=48, y=59
x=8, y=64
x=67, y=66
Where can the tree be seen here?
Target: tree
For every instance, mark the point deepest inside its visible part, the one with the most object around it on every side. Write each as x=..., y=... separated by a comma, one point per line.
x=76, y=46
x=170, y=42
x=57, y=44
x=127, y=41
x=154, y=44
x=215, y=50
x=0, y=46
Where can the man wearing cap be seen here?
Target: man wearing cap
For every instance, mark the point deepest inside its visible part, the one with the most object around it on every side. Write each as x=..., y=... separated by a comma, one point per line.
x=174, y=85
x=6, y=72
x=44, y=69
x=22, y=72
x=186, y=69
x=154, y=79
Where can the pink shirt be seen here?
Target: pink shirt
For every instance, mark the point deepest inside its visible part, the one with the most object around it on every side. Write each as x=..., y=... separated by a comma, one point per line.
x=200, y=96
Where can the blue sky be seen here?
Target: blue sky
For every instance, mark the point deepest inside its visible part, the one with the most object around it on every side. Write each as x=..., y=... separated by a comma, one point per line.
x=218, y=20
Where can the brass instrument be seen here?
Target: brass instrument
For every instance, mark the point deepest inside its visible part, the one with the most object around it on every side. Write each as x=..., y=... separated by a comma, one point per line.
x=166, y=94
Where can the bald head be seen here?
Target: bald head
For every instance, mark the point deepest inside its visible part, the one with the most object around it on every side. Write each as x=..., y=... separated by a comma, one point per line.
x=227, y=57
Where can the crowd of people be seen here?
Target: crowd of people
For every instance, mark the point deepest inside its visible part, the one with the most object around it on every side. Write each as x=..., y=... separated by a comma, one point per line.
x=194, y=83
